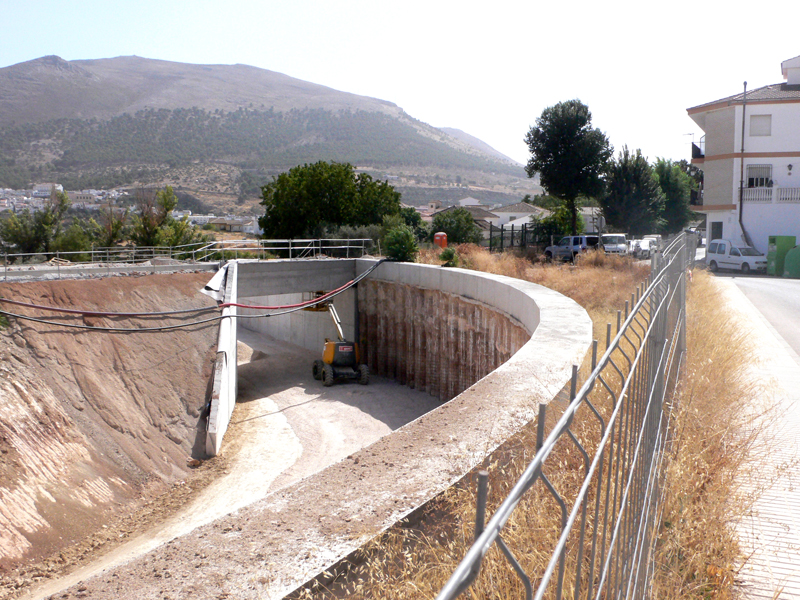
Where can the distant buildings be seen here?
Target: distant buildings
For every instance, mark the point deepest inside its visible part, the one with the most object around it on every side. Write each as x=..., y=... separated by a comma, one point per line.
x=486, y=217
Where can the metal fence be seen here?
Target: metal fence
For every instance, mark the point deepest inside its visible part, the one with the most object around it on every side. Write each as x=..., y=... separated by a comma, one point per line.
x=199, y=252
x=605, y=524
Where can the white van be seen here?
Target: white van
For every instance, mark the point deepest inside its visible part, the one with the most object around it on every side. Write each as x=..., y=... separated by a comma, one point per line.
x=724, y=254
x=614, y=243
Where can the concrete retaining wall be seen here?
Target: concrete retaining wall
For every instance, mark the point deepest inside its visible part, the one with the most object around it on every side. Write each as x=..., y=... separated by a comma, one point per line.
x=307, y=329
x=223, y=393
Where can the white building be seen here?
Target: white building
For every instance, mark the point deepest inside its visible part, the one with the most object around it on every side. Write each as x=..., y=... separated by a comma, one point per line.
x=469, y=201
x=762, y=167
x=43, y=190
x=517, y=214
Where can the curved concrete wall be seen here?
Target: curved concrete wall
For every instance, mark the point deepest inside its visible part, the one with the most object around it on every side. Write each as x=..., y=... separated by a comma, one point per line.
x=339, y=509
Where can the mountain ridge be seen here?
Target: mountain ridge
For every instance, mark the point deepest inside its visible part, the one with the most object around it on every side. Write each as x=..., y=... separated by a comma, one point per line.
x=129, y=119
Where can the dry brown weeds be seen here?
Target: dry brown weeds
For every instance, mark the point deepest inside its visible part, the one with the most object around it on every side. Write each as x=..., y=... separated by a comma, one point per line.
x=697, y=547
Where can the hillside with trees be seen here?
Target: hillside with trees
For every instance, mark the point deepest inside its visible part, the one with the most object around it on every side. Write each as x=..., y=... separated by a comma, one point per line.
x=135, y=121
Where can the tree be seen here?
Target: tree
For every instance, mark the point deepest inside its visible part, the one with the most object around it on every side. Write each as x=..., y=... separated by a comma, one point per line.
x=459, y=226
x=413, y=219
x=555, y=225
x=309, y=197
x=153, y=210
x=569, y=155
x=154, y=225
x=401, y=244
x=634, y=201
x=36, y=232
x=676, y=185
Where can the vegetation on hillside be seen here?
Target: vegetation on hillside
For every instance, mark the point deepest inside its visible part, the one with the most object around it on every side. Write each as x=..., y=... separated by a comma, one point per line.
x=113, y=151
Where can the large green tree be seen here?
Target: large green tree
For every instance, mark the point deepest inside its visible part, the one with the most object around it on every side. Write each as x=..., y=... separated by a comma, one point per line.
x=459, y=226
x=676, y=186
x=568, y=154
x=633, y=201
x=311, y=196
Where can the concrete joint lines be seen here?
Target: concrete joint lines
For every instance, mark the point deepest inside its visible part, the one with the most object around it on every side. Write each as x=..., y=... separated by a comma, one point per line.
x=493, y=347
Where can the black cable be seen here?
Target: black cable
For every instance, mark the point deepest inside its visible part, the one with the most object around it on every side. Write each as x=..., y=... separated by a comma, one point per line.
x=193, y=323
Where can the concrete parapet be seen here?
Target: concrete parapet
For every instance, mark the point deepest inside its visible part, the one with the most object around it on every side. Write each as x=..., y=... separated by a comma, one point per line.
x=223, y=394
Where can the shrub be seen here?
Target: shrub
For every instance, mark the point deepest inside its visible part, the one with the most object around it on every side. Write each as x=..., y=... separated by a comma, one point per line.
x=450, y=257
x=401, y=244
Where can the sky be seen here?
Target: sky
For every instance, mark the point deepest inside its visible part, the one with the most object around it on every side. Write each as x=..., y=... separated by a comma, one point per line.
x=487, y=68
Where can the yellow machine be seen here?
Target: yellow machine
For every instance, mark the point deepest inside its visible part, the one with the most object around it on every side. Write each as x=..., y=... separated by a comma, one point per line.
x=340, y=360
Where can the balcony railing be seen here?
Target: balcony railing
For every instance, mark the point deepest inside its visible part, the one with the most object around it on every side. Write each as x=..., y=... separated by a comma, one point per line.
x=773, y=195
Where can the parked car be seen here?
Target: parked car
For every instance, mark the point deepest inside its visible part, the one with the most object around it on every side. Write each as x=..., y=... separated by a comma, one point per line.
x=614, y=243
x=570, y=246
x=724, y=254
x=655, y=245
x=642, y=249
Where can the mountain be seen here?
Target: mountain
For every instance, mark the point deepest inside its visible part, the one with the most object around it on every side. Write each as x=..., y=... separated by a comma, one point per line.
x=219, y=131
x=479, y=145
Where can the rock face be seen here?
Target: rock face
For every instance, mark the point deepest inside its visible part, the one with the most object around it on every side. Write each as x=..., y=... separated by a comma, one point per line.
x=94, y=422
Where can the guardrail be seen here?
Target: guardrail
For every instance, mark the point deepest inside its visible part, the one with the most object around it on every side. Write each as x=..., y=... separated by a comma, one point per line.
x=618, y=422
x=198, y=252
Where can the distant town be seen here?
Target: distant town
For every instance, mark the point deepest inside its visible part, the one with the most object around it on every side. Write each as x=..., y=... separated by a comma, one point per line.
x=34, y=199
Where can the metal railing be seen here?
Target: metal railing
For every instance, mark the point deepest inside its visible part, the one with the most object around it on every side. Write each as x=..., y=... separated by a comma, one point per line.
x=605, y=525
x=198, y=252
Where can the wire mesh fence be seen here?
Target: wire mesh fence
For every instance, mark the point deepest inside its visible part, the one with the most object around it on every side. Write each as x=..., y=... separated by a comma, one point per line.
x=593, y=487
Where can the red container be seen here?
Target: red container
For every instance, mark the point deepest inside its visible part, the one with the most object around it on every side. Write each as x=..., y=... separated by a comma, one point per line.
x=440, y=239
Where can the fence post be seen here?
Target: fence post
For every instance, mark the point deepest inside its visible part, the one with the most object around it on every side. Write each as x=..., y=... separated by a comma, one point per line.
x=502, y=237
x=290, y=249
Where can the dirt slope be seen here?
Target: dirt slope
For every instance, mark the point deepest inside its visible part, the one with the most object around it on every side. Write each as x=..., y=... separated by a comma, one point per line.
x=94, y=423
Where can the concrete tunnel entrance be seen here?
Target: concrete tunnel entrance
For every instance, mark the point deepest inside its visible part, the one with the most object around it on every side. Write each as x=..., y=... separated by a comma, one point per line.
x=422, y=346
x=425, y=339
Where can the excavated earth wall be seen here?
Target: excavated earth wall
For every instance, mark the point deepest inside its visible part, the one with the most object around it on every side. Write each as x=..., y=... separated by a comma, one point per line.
x=94, y=423
x=431, y=340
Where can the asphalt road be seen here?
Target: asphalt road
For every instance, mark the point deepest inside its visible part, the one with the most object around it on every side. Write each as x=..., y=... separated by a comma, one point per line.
x=778, y=300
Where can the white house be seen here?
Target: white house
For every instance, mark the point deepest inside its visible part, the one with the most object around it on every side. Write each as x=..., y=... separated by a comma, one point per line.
x=469, y=201
x=517, y=214
x=761, y=167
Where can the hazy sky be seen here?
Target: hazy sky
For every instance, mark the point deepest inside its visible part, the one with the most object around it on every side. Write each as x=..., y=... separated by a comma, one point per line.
x=488, y=68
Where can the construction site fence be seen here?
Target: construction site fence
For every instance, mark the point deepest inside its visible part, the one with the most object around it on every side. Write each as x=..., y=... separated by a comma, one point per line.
x=200, y=252
x=522, y=235
x=616, y=428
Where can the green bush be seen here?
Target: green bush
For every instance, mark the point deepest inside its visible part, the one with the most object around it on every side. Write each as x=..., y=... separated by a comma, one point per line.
x=401, y=245
x=450, y=257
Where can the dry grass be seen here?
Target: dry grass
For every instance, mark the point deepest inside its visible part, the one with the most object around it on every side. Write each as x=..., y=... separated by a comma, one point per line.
x=713, y=440
x=697, y=549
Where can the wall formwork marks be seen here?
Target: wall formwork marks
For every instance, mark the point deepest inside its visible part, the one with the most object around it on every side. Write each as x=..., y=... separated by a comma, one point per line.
x=431, y=340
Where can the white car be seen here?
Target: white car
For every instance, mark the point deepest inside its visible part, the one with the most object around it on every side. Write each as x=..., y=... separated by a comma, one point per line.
x=643, y=248
x=614, y=243
x=724, y=254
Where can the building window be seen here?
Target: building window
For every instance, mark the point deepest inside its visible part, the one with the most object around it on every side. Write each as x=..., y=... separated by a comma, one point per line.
x=759, y=176
x=760, y=125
